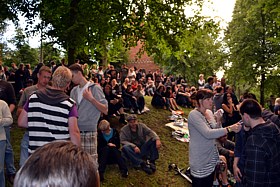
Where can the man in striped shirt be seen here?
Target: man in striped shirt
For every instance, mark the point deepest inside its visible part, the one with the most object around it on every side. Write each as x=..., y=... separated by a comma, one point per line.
x=50, y=114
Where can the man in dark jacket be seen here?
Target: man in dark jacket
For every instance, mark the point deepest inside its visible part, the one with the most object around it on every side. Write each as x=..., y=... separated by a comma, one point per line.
x=262, y=155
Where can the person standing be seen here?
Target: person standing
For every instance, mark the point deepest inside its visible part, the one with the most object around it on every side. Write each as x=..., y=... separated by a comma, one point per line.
x=5, y=120
x=7, y=94
x=262, y=155
x=50, y=114
x=44, y=76
x=204, y=129
x=201, y=81
x=91, y=103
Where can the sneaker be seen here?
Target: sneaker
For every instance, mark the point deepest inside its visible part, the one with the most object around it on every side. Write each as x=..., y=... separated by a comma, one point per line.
x=124, y=174
x=131, y=111
x=152, y=165
x=138, y=112
x=146, y=168
x=143, y=111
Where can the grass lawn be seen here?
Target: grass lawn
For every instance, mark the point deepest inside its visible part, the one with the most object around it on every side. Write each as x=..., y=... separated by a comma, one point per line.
x=172, y=151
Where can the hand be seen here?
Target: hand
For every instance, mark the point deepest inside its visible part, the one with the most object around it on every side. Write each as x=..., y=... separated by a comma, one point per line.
x=136, y=149
x=231, y=153
x=115, y=101
x=87, y=94
x=235, y=127
x=158, y=144
x=111, y=145
x=237, y=173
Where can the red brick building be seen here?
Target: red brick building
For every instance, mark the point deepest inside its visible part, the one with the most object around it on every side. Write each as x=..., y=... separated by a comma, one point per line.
x=144, y=62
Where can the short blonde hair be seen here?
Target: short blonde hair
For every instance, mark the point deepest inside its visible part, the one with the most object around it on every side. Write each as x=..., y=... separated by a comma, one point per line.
x=61, y=77
x=104, y=124
x=277, y=101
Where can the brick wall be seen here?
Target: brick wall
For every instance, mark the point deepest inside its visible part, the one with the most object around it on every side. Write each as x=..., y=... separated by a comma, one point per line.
x=144, y=62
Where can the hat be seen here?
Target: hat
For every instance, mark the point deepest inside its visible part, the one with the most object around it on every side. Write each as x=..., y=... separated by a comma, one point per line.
x=131, y=117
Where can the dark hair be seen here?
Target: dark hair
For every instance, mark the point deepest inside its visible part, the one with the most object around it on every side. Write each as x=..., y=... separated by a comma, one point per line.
x=225, y=100
x=76, y=68
x=59, y=163
x=249, y=96
x=203, y=94
x=210, y=78
x=252, y=108
x=219, y=89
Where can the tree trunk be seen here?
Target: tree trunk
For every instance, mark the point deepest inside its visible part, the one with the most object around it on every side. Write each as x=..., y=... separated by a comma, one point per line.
x=72, y=40
x=262, y=89
x=104, y=54
x=71, y=52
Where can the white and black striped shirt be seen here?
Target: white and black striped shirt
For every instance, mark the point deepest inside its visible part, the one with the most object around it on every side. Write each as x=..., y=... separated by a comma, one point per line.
x=47, y=123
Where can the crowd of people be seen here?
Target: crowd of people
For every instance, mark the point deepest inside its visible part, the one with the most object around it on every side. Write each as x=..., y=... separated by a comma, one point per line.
x=60, y=103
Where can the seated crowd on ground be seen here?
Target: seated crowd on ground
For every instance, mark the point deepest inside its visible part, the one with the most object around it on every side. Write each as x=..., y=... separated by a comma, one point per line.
x=85, y=100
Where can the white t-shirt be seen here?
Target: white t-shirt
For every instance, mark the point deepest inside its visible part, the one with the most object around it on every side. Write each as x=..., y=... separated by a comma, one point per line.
x=81, y=91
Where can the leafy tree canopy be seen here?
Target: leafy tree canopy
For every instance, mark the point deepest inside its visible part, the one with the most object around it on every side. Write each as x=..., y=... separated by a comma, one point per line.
x=253, y=39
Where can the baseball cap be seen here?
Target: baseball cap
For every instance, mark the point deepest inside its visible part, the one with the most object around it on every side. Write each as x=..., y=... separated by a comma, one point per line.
x=131, y=117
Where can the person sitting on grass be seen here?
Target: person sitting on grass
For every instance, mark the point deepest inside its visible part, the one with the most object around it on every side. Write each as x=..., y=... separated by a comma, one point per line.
x=129, y=100
x=108, y=149
x=115, y=104
x=159, y=100
x=59, y=163
x=139, y=94
x=140, y=145
x=169, y=96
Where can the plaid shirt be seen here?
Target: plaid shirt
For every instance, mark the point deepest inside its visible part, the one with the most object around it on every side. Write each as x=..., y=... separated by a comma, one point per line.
x=262, y=163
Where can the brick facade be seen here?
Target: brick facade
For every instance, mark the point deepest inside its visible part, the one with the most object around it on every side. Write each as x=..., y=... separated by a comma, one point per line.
x=144, y=62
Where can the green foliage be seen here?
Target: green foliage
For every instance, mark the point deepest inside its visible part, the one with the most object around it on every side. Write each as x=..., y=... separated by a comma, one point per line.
x=252, y=37
x=196, y=50
x=50, y=53
x=23, y=54
x=26, y=55
x=87, y=26
x=7, y=12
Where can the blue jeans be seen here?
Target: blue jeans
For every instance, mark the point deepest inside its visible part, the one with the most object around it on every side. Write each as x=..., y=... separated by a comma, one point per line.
x=24, y=149
x=148, y=151
x=2, y=160
x=9, y=154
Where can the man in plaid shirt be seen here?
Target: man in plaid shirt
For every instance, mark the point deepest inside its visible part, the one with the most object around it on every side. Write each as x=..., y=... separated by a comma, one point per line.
x=262, y=149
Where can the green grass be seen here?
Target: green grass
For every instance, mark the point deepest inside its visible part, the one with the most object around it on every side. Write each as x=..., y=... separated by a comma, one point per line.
x=172, y=151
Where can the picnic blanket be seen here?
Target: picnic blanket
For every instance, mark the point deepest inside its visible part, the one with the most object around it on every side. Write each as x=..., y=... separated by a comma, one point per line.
x=180, y=132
